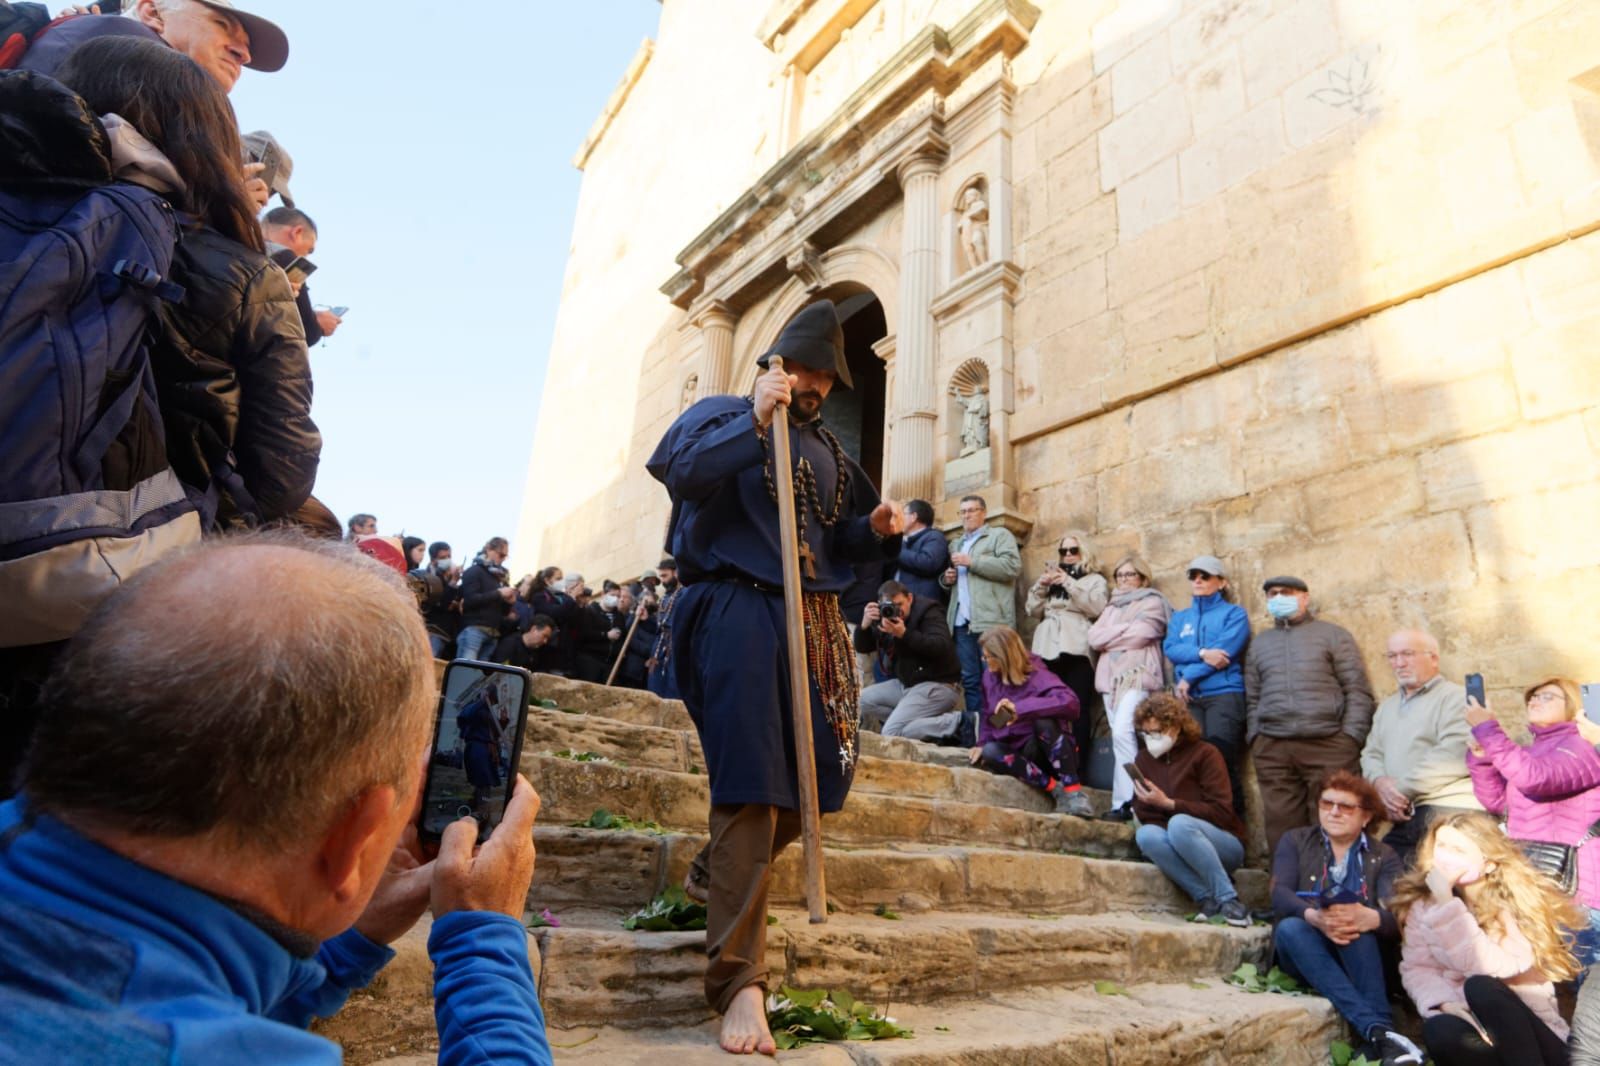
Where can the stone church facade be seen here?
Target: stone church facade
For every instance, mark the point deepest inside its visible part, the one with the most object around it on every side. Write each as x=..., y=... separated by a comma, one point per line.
x=1310, y=284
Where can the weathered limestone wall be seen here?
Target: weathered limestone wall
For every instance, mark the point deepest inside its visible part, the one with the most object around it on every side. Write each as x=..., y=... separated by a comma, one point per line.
x=1313, y=284
x=1208, y=182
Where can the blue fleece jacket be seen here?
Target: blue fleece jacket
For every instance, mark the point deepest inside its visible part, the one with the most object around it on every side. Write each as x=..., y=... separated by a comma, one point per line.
x=105, y=961
x=1208, y=622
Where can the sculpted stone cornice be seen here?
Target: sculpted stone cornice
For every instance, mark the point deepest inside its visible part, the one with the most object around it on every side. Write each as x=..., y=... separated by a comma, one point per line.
x=714, y=313
x=992, y=281
x=847, y=157
x=805, y=263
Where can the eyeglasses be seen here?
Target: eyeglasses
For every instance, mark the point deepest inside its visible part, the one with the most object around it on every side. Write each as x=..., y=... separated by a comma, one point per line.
x=1328, y=806
x=1547, y=697
x=970, y=510
x=1071, y=551
x=1129, y=574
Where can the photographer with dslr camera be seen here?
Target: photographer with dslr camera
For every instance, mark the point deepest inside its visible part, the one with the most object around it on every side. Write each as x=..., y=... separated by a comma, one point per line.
x=923, y=700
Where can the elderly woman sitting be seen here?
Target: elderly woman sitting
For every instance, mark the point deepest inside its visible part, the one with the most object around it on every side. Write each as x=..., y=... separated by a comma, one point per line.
x=1025, y=728
x=1187, y=826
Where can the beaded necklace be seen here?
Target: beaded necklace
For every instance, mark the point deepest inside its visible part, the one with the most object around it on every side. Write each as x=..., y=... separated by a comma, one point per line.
x=805, y=490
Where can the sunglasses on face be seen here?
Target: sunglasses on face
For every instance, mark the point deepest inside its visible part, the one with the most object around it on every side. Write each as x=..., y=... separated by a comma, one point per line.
x=1064, y=552
x=1201, y=575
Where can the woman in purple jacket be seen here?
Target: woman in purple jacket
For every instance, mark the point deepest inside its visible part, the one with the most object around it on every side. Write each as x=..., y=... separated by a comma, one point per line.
x=1026, y=728
x=1549, y=790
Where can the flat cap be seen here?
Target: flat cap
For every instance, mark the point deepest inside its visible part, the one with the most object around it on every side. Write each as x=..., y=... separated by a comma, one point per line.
x=1284, y=582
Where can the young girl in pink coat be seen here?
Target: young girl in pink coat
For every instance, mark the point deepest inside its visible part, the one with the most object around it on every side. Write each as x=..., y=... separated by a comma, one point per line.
x=1482, y=942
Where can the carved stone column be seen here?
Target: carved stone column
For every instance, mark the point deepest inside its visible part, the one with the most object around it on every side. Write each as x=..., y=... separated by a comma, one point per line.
x=915, y=394
x=716, y=324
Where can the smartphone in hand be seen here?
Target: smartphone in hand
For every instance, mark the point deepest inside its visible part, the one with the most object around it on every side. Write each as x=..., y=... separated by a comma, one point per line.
x=477, y=744
x=1133, y=771
x=1475, y=689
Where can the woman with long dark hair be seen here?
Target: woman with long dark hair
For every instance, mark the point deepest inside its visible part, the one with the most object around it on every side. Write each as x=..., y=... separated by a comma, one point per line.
x=231, y=364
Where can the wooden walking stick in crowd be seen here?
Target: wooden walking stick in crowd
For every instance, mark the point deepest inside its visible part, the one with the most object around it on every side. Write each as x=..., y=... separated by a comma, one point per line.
x=805, y=754
x=623, y=654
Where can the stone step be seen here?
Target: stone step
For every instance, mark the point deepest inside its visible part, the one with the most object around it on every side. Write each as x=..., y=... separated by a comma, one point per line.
x=678, y=750
x=1150, y=1024
x=597, y=973
x=621, y=704
x=572, y=791
x=625, y=870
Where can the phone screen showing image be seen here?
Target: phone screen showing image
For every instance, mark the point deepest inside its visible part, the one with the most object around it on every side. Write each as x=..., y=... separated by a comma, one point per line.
x=477, y=744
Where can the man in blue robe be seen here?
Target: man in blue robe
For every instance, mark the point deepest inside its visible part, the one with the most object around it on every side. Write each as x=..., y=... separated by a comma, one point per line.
x=729, y=641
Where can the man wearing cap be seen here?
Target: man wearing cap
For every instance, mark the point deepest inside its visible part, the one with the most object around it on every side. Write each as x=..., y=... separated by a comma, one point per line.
x=1309, y=704
x=288, y=227
x=215, y=34
x=729, y=644
x=1205, y=643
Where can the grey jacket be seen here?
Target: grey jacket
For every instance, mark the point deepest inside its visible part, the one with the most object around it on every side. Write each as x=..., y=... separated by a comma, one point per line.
x=1306, y=679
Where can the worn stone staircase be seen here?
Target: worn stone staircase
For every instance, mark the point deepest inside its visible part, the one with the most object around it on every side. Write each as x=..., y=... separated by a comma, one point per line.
x=1005, y=917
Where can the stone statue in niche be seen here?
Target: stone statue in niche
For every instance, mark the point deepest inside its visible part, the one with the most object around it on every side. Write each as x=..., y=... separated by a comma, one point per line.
x=974, y=420
x=974, y=225
x=691, y=385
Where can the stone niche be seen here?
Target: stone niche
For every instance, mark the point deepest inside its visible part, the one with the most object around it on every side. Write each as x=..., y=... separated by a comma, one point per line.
x=969, y=463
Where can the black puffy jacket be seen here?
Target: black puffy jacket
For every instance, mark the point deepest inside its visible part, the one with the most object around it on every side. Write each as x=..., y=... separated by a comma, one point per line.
x=233, y=373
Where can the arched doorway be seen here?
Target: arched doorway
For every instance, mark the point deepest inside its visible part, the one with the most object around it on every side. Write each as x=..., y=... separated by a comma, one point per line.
x=856, y=415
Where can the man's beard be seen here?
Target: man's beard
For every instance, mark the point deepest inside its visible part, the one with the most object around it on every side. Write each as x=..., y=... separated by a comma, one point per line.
x=806, y=405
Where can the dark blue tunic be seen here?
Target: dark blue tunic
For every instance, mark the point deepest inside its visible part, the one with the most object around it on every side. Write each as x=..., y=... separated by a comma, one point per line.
x=482, y=755
x=729, y=643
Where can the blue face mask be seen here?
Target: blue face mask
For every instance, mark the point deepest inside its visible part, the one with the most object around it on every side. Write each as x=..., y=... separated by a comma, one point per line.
x=1283, y=606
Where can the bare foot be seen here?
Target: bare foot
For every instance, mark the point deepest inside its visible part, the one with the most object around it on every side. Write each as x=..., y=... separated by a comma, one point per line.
x=744, y=1027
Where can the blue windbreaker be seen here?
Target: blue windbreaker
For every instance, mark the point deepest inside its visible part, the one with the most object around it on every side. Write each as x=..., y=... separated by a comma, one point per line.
x=106, y=961
x=1208, y=622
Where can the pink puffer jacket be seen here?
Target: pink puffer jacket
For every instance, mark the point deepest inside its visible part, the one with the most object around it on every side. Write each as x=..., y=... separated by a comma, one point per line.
x=1128, y=636
x=1443, y=945
x=1549, y=790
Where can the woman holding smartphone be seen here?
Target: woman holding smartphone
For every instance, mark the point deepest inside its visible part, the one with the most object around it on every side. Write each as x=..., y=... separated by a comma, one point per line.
x=1482, y=945
x=1549, y=790
x=1066, y=599
x=1025, y=728
x=1187, y=825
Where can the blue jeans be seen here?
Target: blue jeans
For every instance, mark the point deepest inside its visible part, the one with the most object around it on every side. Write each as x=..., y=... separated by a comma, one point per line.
x=971, y=658
x=438, y=644
x=1586, y=946
x=1195, y=854
x=474, y=641
x=1349, y=977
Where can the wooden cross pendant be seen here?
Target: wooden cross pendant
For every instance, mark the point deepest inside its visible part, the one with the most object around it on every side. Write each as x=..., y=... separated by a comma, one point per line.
x=809, y=559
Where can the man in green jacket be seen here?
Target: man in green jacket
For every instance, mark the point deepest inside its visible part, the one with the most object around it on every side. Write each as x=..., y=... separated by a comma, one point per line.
x=984, y=565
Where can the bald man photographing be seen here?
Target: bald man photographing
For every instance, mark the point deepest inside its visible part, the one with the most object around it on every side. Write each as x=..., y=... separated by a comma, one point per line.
x=214, y=839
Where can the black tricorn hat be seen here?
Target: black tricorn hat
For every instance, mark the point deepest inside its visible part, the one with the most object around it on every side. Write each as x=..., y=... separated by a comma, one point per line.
x=813, y=338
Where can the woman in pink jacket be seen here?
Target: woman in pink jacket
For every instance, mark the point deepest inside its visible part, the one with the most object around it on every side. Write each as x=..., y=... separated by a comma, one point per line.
x=1482, y=944
x=1549, y=790
x=1128, y=636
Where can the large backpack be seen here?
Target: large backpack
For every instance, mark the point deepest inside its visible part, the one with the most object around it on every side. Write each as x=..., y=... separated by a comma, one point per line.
x=19, y=25
x=87, y=497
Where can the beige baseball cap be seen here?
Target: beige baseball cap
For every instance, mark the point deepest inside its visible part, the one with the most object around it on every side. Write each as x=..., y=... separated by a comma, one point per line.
x=269, y=45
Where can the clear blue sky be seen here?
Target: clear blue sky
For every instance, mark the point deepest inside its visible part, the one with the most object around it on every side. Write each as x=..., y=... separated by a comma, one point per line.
x=433, y=145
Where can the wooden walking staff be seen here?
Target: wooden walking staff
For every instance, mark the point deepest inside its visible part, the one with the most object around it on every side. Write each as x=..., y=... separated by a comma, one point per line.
x=623, y=654
x=805, y=754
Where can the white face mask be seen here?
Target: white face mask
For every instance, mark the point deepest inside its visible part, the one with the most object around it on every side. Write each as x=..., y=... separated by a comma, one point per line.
x=1158, y=744
x=608, y=602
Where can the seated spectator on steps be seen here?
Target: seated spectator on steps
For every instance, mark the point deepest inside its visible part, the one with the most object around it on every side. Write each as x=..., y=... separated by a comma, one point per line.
x=1416, y=754
x=1549, y=790
x=1127, y=638
x=1187, y=825
x=1483, y=940
x=1329, y=882
x=923, y=700
x=533, y=649
x=1025, y=729
x=213, y=843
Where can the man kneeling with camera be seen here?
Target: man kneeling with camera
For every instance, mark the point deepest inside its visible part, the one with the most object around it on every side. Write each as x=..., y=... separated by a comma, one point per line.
x=215, y=836
x=923, y=699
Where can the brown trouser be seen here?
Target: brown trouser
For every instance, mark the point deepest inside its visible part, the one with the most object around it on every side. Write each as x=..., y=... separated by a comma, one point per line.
x=1289, y=772
x=737, y=866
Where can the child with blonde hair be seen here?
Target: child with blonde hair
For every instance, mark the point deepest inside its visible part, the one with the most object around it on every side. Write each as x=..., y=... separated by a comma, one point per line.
x=1482, y=943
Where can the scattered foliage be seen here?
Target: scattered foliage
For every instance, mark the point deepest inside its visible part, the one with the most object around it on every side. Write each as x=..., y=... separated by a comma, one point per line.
x=798, y=1018
x=585, y=756
x=1109, y=988
x=1251, y=979
x=544, y=919
x=604, y=819
x=670, y=912
x=1343, y=1054
x=883, y=911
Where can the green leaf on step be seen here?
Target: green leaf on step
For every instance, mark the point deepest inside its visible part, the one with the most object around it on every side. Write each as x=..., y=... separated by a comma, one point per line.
x=941, y=1028
x=585, y=756
x=1109, y=988
x=772, y=919
x=831, y=907
x=800, y=1017
x=882, y=911
x=1199, y=985
x=1339, y=1052
x=1278, y=981
x=549, y=705
x=694, y=768
x=669, y=912
x=604, y=819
